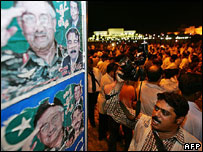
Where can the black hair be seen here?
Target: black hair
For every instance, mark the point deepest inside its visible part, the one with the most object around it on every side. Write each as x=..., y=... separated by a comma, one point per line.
x=105, y=56
x=78, y=4
x=176, y=101
x=190, y=83
x=112, y=67
x=73, y=30
x=170, y=73
x=186, y=54
x=43, y=107
x=154, y=73
x=173, y=58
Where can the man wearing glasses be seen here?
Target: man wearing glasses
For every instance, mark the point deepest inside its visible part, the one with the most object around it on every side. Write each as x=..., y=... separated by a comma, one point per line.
x=42, y=60
x=74, y=60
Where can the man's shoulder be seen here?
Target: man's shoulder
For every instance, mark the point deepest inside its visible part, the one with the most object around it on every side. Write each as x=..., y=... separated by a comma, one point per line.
x=66, y=59
x=189, y=138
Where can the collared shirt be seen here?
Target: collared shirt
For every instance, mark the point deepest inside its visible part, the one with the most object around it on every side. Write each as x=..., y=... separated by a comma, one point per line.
x=98, y=76
x=70, y=68
x=105, y=79
x=142, y=137
x=170, y=84
x=74, y=23
x=149, y=144
x=148, y=96
x=193, y=121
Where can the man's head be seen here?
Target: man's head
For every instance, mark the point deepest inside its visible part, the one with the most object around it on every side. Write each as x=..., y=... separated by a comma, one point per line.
x=190, y=84
x=154, y=73
x=112, y=69
x=77, y=92
x=73, y=43
x=77, y=118
x=49, y=119
x=74, y=10
x=169, y=112
x=38, y=24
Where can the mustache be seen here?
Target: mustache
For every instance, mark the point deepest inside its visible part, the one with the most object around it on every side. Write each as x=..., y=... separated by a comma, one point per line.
x=73, y=51
x=40, y=34
x=156, y=119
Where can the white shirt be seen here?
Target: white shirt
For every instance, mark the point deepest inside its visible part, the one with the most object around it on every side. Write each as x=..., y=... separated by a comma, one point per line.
x=97, y=75
x=193, y=121
x=103, y=66
x=184, y=63
x=106, y=79
x=148, y=96
x=166, y=63
x=170, y=84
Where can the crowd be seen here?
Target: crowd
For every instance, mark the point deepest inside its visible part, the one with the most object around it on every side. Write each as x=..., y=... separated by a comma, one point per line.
x=169, y=90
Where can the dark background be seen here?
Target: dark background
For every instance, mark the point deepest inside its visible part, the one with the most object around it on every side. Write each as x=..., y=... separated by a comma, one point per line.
x=144, y=16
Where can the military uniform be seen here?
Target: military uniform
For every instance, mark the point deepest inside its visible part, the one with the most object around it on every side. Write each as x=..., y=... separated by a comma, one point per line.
x=18, y=77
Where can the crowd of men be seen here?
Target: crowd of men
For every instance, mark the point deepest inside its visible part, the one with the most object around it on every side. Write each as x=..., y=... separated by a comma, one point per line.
x=170, y=92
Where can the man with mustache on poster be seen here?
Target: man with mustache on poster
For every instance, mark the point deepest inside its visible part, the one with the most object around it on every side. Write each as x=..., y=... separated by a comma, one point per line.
x=42, y=60
x=74, y=60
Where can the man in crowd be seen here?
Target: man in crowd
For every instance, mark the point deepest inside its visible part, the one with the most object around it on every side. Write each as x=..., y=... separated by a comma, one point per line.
x=149, y=89
x=94, y=78
x=161, y=131
x=107, y=78
x=74, y=59
x=191, y=88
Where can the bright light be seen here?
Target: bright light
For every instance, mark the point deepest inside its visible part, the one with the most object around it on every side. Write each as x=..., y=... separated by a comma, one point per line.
x=113, y=44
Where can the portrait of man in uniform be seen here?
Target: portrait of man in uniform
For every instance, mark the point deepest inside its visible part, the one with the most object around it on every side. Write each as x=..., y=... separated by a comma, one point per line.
x=40, y=63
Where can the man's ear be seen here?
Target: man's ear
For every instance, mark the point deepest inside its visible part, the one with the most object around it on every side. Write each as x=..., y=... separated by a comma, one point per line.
x=180, y=120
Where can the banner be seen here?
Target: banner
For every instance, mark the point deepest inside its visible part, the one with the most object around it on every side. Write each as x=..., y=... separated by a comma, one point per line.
x=41, y=42
x=53, y=119
x=43, y=52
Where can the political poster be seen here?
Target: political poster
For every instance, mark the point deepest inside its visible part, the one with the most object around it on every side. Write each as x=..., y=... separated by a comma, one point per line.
x=41, y=42
x=53, y=119
x=43, y=52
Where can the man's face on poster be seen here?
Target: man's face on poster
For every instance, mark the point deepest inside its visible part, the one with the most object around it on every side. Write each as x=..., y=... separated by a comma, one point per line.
x=38, y=24
x=77, y=92
x=51, y=126
x=77, y=120
x=73, y=45
x=74, y=10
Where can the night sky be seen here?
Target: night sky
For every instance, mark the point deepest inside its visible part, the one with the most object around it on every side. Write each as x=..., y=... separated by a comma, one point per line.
x=144, y=16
